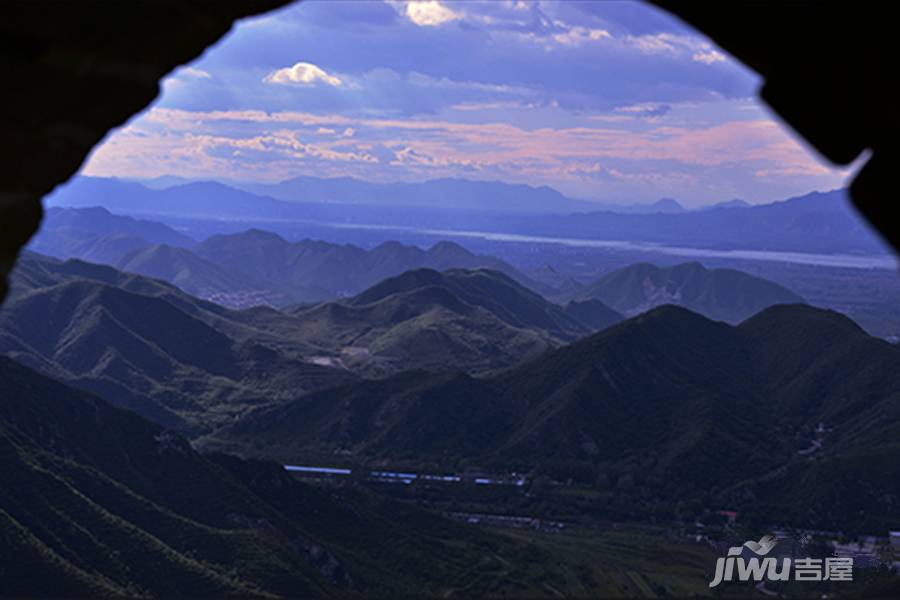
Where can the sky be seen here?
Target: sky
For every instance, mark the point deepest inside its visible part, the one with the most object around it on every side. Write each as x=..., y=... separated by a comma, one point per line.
x=607, y=101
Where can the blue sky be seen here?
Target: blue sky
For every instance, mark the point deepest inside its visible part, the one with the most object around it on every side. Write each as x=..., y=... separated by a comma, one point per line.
x=610, y=101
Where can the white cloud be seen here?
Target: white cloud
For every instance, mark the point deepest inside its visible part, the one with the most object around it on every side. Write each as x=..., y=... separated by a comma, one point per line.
x=184, y=76
x=648, y=110
x=193, y=72
x=683, y=46
x=708, y=56
x=429, y=13
x=302, y=73
x=578, y=35
x=657, y=43
x=427, y=81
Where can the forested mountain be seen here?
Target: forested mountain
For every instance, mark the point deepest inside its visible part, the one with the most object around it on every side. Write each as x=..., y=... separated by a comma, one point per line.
x=98, y=502
x=475, y=320
x=192, y=365
x=145, y=345
x=682, y=406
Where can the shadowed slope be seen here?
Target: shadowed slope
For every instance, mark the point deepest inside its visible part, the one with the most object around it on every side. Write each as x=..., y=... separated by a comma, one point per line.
x=106, y=503
x=687, y=405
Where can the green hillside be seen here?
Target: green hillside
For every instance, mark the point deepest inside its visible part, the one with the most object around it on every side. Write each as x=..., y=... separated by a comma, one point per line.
x=475, y=320
x=144, y=345
x=668, y=406
x=192, y=365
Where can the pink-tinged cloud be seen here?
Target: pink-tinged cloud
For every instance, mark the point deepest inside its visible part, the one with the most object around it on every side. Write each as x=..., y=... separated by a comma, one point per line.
x=273, y=146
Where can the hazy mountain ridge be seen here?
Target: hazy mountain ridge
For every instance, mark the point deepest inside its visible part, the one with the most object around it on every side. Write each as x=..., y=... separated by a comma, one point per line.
x=309, y=198
x=96, y=235
x=100, y=221
x=663, y=205
x=195, y=275
x=818, y=222
x=146, y=248
x=245, y=269
x=326, y=270
x=199, y=198
x=721, y=294
x=462, y=194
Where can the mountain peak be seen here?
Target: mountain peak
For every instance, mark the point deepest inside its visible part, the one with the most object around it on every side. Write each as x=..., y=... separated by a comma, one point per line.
x=668, y=205
x=257, y=235
x=401, y=283
x=209, y=185
x=446, y=247
x=787, y=316
x=689, y=267
x=458, y=193
x=392, y=247
x=733, y=203
x=669, y=311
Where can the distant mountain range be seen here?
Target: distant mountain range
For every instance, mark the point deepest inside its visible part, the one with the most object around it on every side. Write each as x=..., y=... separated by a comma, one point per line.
x=98, y=221
x=328, y=270
x=668, y=406
x=259, y=267
x=735, y=203
x=721, y=294
x=461, y=194
x=155, y=250
x=310, y=197
x=820, y=222
x=197, y=198
x=96, y=235
x=663, y=205
x=245, y=269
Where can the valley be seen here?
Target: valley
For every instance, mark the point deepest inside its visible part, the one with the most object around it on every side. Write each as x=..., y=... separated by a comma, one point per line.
x=510, y=404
